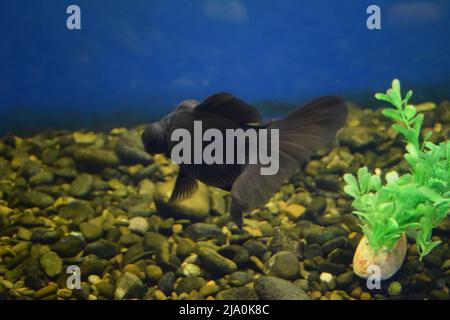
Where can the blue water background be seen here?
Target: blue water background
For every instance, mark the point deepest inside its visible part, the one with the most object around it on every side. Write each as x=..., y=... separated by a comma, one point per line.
x=132, y=61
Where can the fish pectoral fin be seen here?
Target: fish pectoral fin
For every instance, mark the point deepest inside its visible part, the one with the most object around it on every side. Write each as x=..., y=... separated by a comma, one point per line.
x=185, y=186
x=228, y=106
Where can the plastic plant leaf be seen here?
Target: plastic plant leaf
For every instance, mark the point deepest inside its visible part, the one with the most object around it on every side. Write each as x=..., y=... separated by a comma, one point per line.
x=418, y=122
x=351, y=191
x=395, y=94
x=386, y=208
x=430, y=194
x=352, y=188
x=400, y=129
x=393, y=114
x=407, y=97
x=364, y=179
x=383, y=97
x=410, y=111
x=412, y=150
x=375, y=182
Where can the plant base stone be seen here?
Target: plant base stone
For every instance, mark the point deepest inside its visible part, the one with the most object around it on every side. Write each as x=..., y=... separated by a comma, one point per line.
x=366, y=261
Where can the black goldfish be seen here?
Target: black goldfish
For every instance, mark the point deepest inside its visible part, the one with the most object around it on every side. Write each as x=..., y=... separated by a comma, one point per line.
x=301, y=133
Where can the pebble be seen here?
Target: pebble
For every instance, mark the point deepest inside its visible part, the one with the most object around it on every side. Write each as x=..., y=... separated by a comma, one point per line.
x=238, y=279
x=365, y=296
x=210, y=289
x=130, y=150
x=335, y=296
x=271, y=288
x=333, y=268
x=92, y=265
x=189, y=284
x=147, y=188
x=82, y=186
x=158, y=244
x=190, y=270
x=41, y=178
x=388, y=261
x=159, y=295
x=48, y=290
x=214, y=263
x=76, y=211
x=340, y=256
x=395, y=288
x=66, y=173
x=138, y=225
x=185, y=247
x=94, y=279
x=359, y=138
x=96, y=158
x=255, y=248
x=84, y=137
x=330, y=245
x=37, y=199
x=64, y=293
x=283, y=264
x=202, y=231
x=129, y=286
x=51, y=263
x=294, y=211
x=69, y=246
x=90, y=231
x=153, y=273
x=45, y=236
x=328, y=182
x=106, y=289
x=102, y=248
x=166, y=283
x=237, y=294
x=356, y=293
x=29, y=168
x=345, y=279
x=326, y=277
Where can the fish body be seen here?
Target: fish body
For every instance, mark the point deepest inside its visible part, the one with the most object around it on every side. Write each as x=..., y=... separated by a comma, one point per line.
x=301, y=133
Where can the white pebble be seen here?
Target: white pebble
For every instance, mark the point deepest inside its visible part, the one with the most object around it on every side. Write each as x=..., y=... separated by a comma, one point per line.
x=326, y=277
x=138, y=225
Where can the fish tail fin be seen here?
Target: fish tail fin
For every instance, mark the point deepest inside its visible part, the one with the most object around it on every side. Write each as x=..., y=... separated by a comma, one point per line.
x=309, y=128
x=301, y=134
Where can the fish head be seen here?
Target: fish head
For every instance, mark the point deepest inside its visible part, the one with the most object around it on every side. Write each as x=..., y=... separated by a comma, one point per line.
x=154, y=138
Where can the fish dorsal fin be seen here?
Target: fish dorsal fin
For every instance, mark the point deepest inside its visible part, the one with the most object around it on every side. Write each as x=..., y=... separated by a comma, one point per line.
x=228, y=106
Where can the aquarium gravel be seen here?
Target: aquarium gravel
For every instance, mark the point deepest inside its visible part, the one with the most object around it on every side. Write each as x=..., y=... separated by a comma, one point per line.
x=97, y=203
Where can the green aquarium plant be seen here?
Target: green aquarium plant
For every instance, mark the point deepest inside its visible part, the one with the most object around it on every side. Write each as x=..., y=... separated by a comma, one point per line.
x=416, y=201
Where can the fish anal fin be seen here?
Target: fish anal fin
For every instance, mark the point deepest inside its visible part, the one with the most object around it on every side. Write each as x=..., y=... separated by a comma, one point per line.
x=185, y=187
